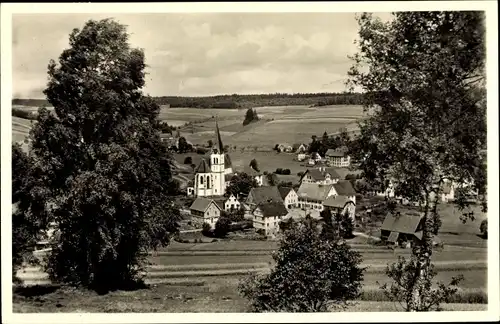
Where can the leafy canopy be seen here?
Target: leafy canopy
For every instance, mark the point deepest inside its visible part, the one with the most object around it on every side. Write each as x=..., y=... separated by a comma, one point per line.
x=105, y=174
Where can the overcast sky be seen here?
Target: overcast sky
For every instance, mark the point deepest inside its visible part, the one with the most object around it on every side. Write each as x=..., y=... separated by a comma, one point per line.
x=205, y=54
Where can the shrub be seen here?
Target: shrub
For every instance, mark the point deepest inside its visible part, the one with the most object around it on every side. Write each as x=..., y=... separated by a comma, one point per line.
x=206, y=229
x=310, y=274
x=188, y=160
x=484, y=228
x=222, y=227
x=260, y=231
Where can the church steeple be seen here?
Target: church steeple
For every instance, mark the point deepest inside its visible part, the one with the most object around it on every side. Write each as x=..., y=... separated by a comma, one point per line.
x=220, y=146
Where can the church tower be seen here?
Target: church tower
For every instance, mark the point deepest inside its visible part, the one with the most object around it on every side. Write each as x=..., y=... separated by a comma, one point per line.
x=217, y=165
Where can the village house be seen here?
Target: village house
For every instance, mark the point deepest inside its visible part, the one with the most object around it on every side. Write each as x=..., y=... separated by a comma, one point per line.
x=313, y=195
x=299, y=148
x=402, y=228
x=258, y=176
x=267, y=215
x=290, y=198
x=231, y=203
x=263, y=194
x=206, y=210
x=340, y=204
x=301, y=157
x=320, y=175
x=338, y=158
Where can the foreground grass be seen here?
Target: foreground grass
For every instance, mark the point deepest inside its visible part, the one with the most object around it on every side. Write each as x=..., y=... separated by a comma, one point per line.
x=206, y=296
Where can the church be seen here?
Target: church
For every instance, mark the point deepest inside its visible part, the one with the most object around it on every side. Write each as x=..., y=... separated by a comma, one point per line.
x=213, y=174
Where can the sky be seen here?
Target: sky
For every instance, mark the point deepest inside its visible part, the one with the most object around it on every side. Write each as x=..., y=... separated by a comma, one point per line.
x=199, y=54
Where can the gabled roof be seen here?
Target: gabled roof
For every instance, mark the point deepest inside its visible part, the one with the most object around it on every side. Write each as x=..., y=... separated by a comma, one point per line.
x=265, y=194
x=274, y=208
x=319, y=175
x=284, y=191
x=201, y=204
x=337, y=201
x=402, y=223
x=219, y=201
x=203, y=167
x=314, y=191
x=344, y=188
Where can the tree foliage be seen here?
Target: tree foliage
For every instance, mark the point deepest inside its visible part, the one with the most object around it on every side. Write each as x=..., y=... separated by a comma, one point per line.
x=423, y=74
x=222, y=226
x=254, y=165
x=311, y=273
x=250, y=116
x=240, y=185
x=105, y=174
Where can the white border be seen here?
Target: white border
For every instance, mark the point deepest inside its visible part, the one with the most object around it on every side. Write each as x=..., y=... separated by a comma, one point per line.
x=6, y=132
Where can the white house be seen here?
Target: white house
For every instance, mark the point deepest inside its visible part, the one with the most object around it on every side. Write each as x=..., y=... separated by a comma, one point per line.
x=205, y=210
x=231, y=203
x=266, y=216
x=258, y=176
x=342, y=204
x=290, y=198
x=338, y=158
x=301, y=157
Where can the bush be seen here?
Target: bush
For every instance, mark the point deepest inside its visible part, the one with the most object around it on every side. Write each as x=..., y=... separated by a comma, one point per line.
x=311, y=274
x=222, y=227
x=260, y=231
x=188, y=160
x=206, y=229
x=484, y=228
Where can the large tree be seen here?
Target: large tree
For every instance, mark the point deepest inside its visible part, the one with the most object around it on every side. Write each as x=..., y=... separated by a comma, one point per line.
x=423, y=77
x=105, y=173
x=240, y=185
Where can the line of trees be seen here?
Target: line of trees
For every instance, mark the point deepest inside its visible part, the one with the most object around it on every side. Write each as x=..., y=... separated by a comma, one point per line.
x=237, y=101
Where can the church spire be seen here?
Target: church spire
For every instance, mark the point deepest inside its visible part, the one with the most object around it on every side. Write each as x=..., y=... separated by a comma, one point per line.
x=220, y=146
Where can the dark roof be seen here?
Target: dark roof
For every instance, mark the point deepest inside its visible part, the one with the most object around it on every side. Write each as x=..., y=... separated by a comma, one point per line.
x=204, y=166
x=344, y=188
x=265, y=194
x=201, y=204
x=284, y=191
x=219, y=201
x=319, y=175
x=219, y=139
x=402, y=223
x=334, y=153
x=337, y=201
x=314, y=191
x=274, y=208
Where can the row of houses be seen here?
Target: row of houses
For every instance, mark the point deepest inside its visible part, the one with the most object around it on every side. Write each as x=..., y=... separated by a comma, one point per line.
x=319, y=189
x=334, y=158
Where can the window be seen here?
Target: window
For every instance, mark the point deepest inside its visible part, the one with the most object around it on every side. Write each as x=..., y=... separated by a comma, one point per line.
x=201, y=179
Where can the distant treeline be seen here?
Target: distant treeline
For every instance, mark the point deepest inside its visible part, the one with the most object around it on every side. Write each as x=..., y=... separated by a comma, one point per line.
x=241, y=101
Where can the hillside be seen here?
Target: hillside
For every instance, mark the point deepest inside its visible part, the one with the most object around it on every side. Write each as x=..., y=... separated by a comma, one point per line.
x=236, y=101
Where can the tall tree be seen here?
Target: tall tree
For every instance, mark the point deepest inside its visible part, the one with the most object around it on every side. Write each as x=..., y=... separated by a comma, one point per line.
x=240, y=184
x=423, y=77
x=254, y=165
x=105, y=172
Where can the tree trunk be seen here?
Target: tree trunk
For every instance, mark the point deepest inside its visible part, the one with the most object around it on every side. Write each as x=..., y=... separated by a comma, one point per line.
x=421, y=255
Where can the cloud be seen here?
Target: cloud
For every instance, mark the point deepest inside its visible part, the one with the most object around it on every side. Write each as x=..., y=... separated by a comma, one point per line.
x=206, y=54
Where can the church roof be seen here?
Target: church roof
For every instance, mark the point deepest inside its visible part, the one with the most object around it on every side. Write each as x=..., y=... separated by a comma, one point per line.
x=220, y=146
x=203, y=167
x=227, y=161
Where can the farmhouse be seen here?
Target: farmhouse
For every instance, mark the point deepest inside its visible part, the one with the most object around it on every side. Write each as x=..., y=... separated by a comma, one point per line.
x=312, y=195
x=210, y=175
x=320, y=175
x=299, y=148
x=206, y=210
x=340, y=204
x=263, y=194
x=259, y=178
x=289, y=196
x=267, y=215
x=402, y=228
x=338, y=158
x=231, y=203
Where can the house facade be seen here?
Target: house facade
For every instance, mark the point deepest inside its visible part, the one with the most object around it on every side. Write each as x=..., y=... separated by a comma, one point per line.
x=320, y=175
x=205, y=210
x=338, y=158
x=290, y=197
x=258, y=176
x=402, y=228
x=312, y=195
x=231, y=203
x=266, y=217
